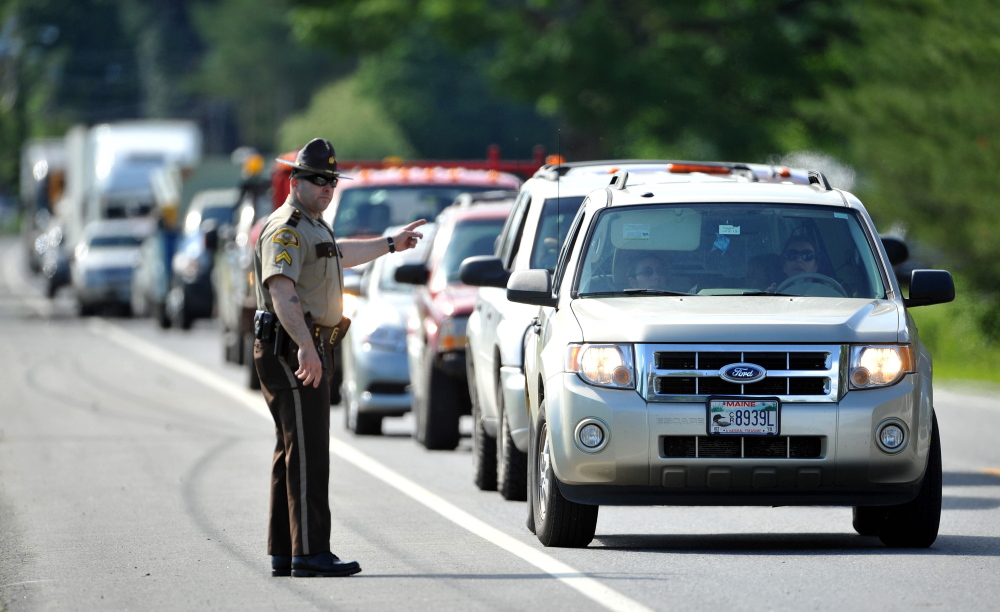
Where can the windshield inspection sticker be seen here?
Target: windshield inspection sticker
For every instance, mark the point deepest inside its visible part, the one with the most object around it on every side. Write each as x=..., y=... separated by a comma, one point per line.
x=729, y=230
x=635, y=231
x=721, y=243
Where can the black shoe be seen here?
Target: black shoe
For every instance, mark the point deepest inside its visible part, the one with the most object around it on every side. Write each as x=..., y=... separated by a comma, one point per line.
x=323, y=564
x=281, y=566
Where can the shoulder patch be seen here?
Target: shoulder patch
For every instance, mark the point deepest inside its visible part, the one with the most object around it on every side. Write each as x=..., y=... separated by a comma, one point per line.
x=286, y=237
x=295, y=218
x=283, y=256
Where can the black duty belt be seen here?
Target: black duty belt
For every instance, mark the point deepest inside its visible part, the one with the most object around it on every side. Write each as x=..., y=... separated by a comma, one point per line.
x=267, y=328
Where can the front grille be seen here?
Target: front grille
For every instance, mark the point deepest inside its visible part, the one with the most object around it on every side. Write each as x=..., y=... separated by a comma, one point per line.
x=685, y=373
x=741, y=447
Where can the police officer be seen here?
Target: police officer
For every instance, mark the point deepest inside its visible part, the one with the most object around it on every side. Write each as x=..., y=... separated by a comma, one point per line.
x=298, y=270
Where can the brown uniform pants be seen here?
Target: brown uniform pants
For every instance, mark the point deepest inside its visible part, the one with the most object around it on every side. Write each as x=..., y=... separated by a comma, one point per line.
x=299, y=521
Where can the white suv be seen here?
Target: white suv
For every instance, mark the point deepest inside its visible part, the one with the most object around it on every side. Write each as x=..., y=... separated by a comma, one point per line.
x=729, y=343
x=497, y=327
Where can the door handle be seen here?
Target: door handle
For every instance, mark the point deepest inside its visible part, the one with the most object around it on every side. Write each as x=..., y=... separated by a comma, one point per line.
x=536, y=326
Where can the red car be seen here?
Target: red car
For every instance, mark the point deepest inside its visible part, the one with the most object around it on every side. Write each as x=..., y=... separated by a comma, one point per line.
x=442, y=305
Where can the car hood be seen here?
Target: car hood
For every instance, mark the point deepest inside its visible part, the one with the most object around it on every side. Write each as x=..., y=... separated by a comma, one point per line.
x=109, y=258
x=740, y=319
x=389, y=310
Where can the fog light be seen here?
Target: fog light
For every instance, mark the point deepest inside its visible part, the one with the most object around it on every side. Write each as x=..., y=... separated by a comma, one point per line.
x=591, y=435
x=891, y=436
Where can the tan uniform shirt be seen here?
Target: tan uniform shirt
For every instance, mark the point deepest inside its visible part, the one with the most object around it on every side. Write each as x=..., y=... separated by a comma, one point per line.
x=294, y=244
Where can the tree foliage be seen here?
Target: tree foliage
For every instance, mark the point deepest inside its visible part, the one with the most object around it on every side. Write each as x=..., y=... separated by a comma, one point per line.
x=919, y=123
x=354, y=123
x=255, y=65
x=721, y=78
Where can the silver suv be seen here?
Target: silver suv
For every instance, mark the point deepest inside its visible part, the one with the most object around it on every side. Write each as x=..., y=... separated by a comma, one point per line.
x=496, y=331
x=729, y=343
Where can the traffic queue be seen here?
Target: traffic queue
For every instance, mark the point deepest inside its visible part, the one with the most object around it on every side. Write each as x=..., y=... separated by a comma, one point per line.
x=518, y=256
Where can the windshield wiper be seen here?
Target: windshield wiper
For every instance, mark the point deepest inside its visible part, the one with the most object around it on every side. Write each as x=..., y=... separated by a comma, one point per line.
x=770, y=293
x=653, y=292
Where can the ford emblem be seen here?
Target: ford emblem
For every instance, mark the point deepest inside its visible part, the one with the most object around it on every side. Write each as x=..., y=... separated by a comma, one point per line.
x=742, y=373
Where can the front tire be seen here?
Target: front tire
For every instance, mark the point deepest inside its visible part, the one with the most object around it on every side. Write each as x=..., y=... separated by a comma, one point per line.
x=868, y=520
x=484, y=448
x=512, y=464
x=915, y=524
x=356, y=421
x=437, y=417
x=558, y=521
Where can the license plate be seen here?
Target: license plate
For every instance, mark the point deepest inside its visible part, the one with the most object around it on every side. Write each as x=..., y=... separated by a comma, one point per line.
x=742, y=416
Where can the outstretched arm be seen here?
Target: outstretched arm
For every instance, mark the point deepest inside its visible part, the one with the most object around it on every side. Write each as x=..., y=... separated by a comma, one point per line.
x=362, y=250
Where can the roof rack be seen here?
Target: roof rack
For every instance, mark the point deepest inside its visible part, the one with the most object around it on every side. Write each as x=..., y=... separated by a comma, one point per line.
x=619, y=179
x=818, y=178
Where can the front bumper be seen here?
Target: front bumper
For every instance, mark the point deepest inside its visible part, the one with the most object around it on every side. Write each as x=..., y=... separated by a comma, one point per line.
x=638, y=467
x=381, y=381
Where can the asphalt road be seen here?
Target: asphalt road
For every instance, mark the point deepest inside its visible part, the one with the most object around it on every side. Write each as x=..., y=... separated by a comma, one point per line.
x=134, y=476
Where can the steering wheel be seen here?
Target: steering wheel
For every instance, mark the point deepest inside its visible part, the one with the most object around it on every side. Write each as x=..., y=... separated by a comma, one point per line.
x=811, y=276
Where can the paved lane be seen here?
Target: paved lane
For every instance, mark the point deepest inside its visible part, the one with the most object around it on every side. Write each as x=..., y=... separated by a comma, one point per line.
x=133, y=475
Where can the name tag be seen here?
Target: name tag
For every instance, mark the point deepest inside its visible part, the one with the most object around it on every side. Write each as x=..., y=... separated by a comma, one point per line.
x=326, y=249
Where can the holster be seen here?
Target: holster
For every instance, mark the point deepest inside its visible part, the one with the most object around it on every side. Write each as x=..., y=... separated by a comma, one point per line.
x=339, y=331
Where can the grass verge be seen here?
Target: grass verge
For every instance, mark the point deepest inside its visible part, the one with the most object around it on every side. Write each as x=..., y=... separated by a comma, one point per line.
x=953, y=333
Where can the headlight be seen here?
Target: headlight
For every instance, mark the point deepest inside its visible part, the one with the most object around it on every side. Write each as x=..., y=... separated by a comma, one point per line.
x=604, y=365
x=880, y=366
x=451, y=335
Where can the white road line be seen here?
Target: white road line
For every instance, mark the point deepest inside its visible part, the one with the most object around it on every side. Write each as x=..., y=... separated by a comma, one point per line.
x=589, y=587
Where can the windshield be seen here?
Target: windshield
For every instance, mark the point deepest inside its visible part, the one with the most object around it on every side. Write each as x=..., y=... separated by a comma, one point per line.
x=116, y=241
x=557, y=216
x=131, y=175
x=368, y=211
x=470, y=238
x=730, y=249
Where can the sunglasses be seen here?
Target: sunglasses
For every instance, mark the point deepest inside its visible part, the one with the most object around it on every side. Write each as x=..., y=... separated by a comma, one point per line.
x=319, y=181
x=793, y=254
x=648, y=271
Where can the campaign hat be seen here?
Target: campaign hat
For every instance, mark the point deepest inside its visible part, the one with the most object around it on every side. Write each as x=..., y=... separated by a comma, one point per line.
x=317, y=157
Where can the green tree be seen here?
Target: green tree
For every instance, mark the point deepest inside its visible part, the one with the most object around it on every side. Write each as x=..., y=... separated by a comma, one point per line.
x=919, y=123
x=253, y=63
x=356, y=125
x=710, y=79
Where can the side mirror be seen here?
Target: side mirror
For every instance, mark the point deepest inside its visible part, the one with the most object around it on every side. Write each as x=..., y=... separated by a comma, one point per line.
x=412, y=274
x=483, y=271
x=531, y=287
x=896, y=249
x=930, y=287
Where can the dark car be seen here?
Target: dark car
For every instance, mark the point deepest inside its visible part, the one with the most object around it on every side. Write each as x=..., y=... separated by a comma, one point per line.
x=436, y=327
x=190, y=295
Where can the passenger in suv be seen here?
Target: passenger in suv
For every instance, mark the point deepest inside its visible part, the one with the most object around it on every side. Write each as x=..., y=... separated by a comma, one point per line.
x=815, y=392
x=497, y=327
